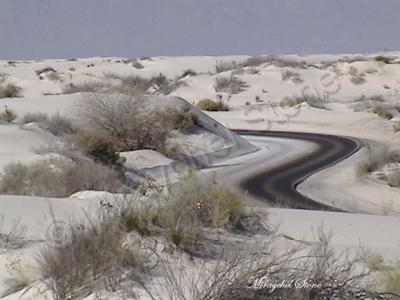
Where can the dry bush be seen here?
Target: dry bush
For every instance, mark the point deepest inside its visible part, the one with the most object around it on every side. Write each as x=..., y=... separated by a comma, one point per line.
x=252, y=276
x=356, y=77
x=384, y=59
x=211, y=105
x=231, y=85
x=134, y=84
x=293, y=76
x=125, y=120
x=8, y=90
x=57, y=178
x=188, y=72
x=382, y=111
x=394, y=179
x=376, y=158
x=278, y=61
x=182, y=120
x=59, y=125
x=45, y=70
x=94, y=257
x=8, y=115
x=223, y=66
x=34, y=117
x=87, y=87
x=313, y=101
x=97, y=147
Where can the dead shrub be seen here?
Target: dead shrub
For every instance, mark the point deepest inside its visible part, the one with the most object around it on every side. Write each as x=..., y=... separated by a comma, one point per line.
x=211, y=105
x=8, y=115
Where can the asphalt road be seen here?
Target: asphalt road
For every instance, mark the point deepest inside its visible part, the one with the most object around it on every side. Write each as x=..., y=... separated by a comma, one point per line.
x=278, y=184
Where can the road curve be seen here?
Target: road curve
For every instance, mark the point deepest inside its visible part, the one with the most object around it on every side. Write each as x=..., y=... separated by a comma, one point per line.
x=279, y=184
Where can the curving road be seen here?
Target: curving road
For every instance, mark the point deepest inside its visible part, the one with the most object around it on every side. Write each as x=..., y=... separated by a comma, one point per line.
x=278, y=184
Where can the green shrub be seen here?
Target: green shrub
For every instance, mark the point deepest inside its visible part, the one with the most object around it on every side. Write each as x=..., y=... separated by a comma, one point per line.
x=211, y=105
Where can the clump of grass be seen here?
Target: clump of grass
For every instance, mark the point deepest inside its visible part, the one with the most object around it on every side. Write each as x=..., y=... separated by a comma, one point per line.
x=8, y=115
x=231, y=85
x=57, y=177
x=211, y=105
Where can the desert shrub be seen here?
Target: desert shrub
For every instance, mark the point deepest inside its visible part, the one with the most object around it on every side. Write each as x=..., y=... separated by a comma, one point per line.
x=391, y=282
x=8, y=115
x=54, y=76
x=393, y=179
x=293, y=76
x=312, y=101
x=196, y=201
x=45, y=70
x=142, y=219
x=8, y=90
x=223, y=66
x=382, y=111
x=384, y=59
x=87, y=87
x=182, y=120
x=376, y=158
x=124, y=119
x=211, y=105
x=57, y=178
x=278, y=61
x=95, y=256
x=187, y=72
x=97, y=147
x=34, y=117
x=158, y=84
x=134, y=62
x=59, y=125
x=356, y=77
x=231, y=85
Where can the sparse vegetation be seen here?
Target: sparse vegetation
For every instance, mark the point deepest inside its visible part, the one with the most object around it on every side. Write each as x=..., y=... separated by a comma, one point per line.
x=57, y=177
x=182, y=120
x=356, y=77
x=224, y=66
x=127, y=122
x=231, y=85
x=211, y=105
x=97, y=147
x=8, y=90
x=87, y=87
x=393, y=179
x=384, y=59
x=382, y=111
x=376, y=158
x=293, y=76
x=312, y=101
x=34, y=117
x=188, y=72
x=8, y=115
x=95, y=256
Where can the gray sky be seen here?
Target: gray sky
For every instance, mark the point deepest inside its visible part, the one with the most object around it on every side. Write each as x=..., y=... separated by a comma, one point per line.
x=82, y=28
